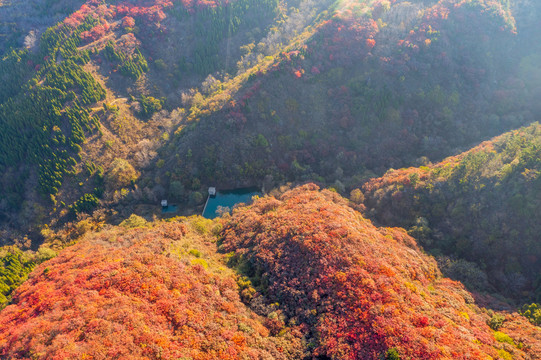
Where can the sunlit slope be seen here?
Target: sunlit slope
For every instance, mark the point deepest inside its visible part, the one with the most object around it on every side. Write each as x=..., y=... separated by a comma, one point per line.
x=482, y=206
x=94, y=88
x=298, y=90
x=362, y=292
x=374, y=85
x=316, y=279
x=144, y=293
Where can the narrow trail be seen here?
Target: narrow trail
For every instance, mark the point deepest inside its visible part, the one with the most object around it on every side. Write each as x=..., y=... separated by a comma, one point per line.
x=112, y=103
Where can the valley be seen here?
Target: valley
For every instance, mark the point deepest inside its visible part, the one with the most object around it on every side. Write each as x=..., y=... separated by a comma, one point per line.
x=397, y=143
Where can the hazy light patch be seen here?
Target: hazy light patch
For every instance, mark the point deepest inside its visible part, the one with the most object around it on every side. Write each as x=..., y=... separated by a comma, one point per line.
x=347, y=9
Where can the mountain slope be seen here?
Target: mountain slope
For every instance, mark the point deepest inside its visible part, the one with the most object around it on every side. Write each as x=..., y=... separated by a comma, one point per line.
x=269, y=91
x=482, y=206
x=79, y=97
x=22, y=22
x=373, y=85
x=361, y=292
x=105, y=83
x=143, y=293
x=318, y=279
x=124, y=103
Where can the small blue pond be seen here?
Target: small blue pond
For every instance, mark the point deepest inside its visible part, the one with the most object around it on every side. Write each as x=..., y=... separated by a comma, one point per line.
x=228, y=199
x=171, y=209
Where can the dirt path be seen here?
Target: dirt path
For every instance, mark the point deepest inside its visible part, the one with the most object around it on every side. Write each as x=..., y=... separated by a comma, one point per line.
x=98, y=42
x=112, y=103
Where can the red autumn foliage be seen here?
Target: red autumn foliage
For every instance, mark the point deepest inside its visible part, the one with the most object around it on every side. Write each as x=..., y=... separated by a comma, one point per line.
x=152, y=11
x=370, y=43
x=78, y=17
x=125, y=294
x=362, y=290
x=150, y=14
x=128, y=21
x=96, y=33
x=344, y=39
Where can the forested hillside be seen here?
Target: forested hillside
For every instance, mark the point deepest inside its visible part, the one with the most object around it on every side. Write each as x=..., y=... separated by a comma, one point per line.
x=123, y=103
x=374, y=85
x=81, y=117
x=43, y=107
x=108, y=107
x=154, y=292
x=482, y=206
x=315, y=278
x=22, y=22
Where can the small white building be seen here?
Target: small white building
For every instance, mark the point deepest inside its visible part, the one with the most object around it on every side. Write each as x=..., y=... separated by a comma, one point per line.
x=164, y=203
x=212, y=191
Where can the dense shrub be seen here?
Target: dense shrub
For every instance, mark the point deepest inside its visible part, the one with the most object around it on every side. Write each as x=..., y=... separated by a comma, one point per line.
x=360, y=292
x=136, y=294
x=481, y=206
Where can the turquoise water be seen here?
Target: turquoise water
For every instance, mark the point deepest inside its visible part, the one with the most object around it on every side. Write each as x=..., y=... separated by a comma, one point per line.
x=229, y=199
x=169, y=209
